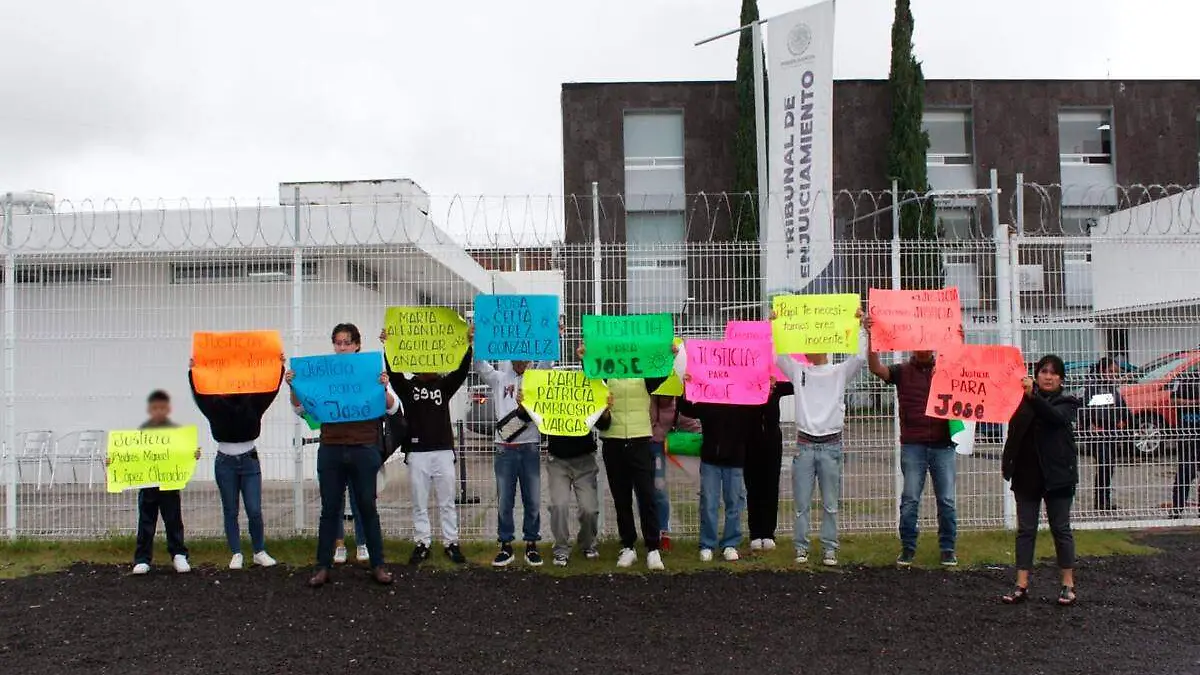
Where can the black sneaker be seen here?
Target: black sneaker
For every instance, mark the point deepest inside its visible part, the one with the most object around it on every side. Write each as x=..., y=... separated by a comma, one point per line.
x=532, y=557
x=504, y=557
x=949, y=559
x=906, y=557
x=455, y=554
x=419, y=555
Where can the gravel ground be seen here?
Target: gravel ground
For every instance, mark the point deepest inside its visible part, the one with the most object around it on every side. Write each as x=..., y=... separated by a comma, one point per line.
x=1135, y=615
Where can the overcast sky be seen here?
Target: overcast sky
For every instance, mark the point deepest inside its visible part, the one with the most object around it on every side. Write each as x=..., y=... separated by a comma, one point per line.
x=227, y=98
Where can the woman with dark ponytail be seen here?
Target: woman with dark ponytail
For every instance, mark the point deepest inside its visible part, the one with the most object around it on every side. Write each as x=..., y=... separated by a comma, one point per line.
x=1041, y=461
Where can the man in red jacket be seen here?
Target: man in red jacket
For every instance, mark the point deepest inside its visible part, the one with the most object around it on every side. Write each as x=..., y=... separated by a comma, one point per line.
x=924, y=447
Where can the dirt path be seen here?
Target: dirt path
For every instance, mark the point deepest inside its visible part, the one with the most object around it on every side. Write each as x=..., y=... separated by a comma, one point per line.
x=1136, y=615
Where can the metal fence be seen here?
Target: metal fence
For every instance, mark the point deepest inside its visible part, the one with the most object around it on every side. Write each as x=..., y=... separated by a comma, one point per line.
x=100, y=302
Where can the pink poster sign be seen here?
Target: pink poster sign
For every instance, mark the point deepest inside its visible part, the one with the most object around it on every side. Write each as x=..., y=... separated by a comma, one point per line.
x=733, y=372
x=756, y=331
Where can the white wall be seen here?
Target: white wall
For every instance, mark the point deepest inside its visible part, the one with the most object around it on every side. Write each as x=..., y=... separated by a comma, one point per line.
x=1147, y=343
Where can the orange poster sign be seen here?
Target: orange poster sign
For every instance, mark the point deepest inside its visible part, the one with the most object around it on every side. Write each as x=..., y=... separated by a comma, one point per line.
x=914, y=320
x=977, y=383
x=247, y=362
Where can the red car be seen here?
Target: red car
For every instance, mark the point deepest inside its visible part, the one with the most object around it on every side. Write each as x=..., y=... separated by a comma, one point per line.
x=1147, y=401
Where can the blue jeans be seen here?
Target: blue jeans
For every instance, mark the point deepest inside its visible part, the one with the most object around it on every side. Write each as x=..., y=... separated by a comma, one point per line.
x=820, y=463
x=360, y=539
x=662, y=496
x=240, y=475
x=519, y=464
x=915, y=461
x=339, y=466
x=717, y=483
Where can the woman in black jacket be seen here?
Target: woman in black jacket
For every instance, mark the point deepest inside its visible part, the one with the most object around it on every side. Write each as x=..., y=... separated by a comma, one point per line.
x=1041, y=461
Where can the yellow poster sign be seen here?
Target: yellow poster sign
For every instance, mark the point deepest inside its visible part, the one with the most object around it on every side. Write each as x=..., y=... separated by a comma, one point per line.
x=424, y=339
x=163, y=458
x=672, y=386
x=815, y=324
x=563, y=402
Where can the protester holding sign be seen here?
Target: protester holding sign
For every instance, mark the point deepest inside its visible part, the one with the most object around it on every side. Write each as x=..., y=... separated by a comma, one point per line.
x=820, y=395
x=426, y=398
x=155, y=500
x=924, y=447
x=517, y=461
x=235, y=420
x=349, y=449
x=1042, y=462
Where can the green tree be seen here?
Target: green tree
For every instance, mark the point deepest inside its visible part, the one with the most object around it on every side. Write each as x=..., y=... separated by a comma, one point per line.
x=920, y=260
x=745, y=142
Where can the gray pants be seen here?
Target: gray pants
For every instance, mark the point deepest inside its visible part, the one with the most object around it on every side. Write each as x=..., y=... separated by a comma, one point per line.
x=578, y=475
x=1058, y=512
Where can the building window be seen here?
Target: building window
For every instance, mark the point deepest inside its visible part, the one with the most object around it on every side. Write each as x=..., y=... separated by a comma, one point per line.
x=655, y=262
x=655, y=204
x=57, y=275
x=654, y=160
x=956, y=224
x=950, y=136
x=1085, y=137
x=240, y=271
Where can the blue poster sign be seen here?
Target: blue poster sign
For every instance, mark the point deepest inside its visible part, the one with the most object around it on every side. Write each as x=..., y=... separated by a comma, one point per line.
x=516, y=328
x=340, y=387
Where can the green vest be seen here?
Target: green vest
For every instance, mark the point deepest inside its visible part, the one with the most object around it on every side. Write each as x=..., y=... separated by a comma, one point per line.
x=630, y=410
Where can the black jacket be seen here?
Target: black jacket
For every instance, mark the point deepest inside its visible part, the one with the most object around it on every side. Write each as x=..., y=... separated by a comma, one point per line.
x=234, y=418
x=570, y=447
x=427, y=406
x=728, y=430
x=1043, y=426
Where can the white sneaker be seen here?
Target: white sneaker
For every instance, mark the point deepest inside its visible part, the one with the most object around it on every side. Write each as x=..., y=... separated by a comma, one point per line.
x=654, y=561
x=361, y=554
x=706, y=555
x=262, y=559
x=627, y=557
x=768, y=544
x=181, y=564
x=141, y=568
x=801, y=557
x=339, y=555
x=829, y=559
x=757, y=544
x=236, y=562
x=730, y=554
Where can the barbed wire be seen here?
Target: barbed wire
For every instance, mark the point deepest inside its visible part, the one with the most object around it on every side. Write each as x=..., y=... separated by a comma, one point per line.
x=530, y=221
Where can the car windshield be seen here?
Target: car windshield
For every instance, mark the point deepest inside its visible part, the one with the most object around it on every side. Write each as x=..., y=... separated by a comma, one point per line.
x=1156, y=370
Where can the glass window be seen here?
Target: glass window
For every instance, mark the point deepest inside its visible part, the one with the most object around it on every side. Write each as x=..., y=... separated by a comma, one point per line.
x=949, y=136
x=956, y=224
x=1085, y=136
x=654, y=161
x=654, y=134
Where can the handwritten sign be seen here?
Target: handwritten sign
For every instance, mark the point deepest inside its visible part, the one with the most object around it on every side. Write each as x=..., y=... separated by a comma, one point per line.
x=672, y=386
x=976, y=383
x=516, y=328
x=237, y=363
x=914, y=320
x=424, y=339
x=628, y=347
x=759, y=331
x=563, y=402
x=164, y=458
x=733, y=372
x=340, y=387
x=815, y=324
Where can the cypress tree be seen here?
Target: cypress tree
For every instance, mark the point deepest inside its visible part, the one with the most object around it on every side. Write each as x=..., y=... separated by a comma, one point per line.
x=920, y=261
x=745, y=142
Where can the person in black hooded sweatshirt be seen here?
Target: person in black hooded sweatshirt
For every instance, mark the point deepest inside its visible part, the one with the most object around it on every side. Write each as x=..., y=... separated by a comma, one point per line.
x=1042, y=462
x=236, y=422
x=763, y=461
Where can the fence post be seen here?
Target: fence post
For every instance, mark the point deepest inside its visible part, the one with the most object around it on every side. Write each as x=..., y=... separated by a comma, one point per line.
x=1005, y=282
x=297, y=350
x=1014, y=253
x=597, y=308
x=897, y=474
x=10, y=372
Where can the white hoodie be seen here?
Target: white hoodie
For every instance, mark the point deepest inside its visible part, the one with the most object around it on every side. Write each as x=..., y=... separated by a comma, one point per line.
x=505, y=384
x=820, y=396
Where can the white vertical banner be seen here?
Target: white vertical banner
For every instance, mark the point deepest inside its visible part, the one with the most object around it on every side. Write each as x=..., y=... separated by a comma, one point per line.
x=798, y=238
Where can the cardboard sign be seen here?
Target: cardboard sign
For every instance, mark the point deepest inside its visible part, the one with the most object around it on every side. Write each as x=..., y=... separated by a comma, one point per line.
x=977, y=383
x=237, y=363
x=914, y=320
x=628, y=347
x=340, y=387
x=563, y=402
x=516, y=328
x=734, y=372
x=164, y=458
x=424, y=339
x=815, y=324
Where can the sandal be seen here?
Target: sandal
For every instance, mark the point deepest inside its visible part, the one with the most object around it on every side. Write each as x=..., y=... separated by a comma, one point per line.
x=1066, y=596
x=1020, y=594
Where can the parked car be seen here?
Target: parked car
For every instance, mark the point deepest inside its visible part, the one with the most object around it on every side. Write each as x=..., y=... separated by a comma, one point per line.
x=480, y=418
x=1144, y=407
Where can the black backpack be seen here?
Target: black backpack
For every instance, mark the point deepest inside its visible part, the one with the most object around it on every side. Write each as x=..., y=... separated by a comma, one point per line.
x=394, y=435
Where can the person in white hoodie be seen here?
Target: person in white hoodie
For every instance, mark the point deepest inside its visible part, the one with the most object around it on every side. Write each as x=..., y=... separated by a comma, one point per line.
x=517, y=461
x=820, y=394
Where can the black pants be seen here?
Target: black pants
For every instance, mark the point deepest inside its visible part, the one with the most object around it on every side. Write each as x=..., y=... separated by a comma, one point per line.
x=339, y=466
x=1058, y=512
x=1189, y=466
x=152, y=502
x=1106, y=466
x=762, y=488
x=629, y=465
